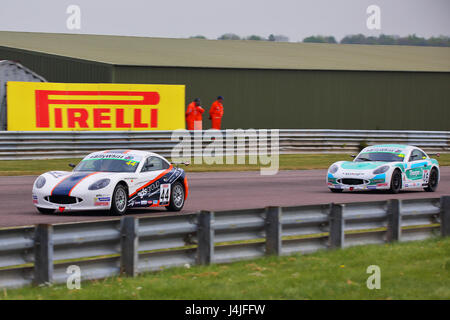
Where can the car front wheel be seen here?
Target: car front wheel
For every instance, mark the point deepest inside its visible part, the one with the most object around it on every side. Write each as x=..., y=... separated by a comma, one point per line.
x=176, y=197
x=396, y=182
x=119, y=200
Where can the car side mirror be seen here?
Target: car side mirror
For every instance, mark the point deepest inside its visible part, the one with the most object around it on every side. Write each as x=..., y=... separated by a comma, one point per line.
x=72, y=165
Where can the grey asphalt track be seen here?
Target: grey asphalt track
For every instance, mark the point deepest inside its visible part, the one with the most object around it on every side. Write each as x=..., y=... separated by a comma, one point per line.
x=211, y=191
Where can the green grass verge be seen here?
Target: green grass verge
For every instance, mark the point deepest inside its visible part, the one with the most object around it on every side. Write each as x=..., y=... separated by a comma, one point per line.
x=412, y=270
x=287, y=162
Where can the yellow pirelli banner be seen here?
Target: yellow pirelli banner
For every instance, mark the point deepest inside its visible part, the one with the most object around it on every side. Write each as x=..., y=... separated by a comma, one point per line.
x=44, y=106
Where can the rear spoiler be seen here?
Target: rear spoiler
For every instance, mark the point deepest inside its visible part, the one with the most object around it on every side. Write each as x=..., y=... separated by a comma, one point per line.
x=186, y=163
x=434, y=154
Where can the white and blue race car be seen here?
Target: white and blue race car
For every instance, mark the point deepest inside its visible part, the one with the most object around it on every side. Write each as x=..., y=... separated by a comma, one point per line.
x=113, y=180
x=385, y=167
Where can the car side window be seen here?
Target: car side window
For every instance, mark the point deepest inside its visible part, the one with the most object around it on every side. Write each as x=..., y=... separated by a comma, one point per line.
x=417, y=155
x=154, y=164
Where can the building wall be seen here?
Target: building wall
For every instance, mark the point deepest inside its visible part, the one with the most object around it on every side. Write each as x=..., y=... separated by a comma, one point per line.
x=311, y=99
x=256, y=98
x=59, y=69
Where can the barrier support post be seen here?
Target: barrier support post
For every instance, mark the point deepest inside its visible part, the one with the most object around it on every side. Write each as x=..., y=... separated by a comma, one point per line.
x=394, y=225
x=336, y=221
x=205, y=237
x=273, y=230
x=43, y=254
x=445, y=216
x=129, y=242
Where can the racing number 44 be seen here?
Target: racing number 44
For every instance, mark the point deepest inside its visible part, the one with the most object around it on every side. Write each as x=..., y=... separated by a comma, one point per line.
x=164, y=196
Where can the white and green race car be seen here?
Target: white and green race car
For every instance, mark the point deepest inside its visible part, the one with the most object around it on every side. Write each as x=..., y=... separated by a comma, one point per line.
x=391, y=167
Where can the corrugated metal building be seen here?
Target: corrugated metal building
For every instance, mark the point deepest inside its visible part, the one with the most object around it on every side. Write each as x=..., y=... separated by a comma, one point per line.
x=13, y=71
x=265, y=84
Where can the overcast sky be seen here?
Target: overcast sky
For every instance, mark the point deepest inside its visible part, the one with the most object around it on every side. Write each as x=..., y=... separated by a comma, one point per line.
x=296, y=19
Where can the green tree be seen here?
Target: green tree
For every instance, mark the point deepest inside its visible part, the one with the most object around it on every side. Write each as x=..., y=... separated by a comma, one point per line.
x=354, y=39
x=278, y=38
x=254, y=37
x=229, y=36
x=387, y=40
x=411, y=40
x=198, y=37
x=320, y=39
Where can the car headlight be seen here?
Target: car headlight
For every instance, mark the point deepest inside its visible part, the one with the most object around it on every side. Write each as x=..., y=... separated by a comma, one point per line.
x=381, y=169
x=333, y=168
x=100, y=184
x=40, y=182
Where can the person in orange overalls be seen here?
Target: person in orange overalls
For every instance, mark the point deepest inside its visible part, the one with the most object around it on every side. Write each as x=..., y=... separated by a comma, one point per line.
x=194, y=115
x=216, y=113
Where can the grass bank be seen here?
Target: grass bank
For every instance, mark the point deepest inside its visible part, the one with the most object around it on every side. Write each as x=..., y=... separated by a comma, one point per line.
x=412, y=270
x=287, y=162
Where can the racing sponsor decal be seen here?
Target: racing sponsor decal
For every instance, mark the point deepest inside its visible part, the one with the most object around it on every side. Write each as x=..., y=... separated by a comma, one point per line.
x=376, y=181
x=35, y=199
x=382, y=185
x=100, y=204
x=176, y=173
x=414, y=174
x=354, y=173
x=384, y=149
x=130, y=160
x=34, y=106
x=102, y=200
x=66, y=185
x=114, y=155
x=149, y=190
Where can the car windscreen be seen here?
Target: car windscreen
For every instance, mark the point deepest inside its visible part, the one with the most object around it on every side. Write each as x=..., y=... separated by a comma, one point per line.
x=380, y=156
x=107, y=165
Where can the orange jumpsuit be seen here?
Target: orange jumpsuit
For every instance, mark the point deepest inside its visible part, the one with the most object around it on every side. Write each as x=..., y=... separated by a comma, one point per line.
x=198, y=118
x=216, y=114
x=194, y=116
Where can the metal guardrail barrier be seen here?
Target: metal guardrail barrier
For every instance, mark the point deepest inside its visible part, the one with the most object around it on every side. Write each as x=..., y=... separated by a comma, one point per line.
x=56, y=144
x=132, y=245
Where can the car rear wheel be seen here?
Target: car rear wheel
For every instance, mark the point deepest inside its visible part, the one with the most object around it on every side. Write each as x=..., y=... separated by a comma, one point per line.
x=432, y=181
x=46, y=211
x=336, y=190
x=176, y=197
x=396, y=182
x=119, y=200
